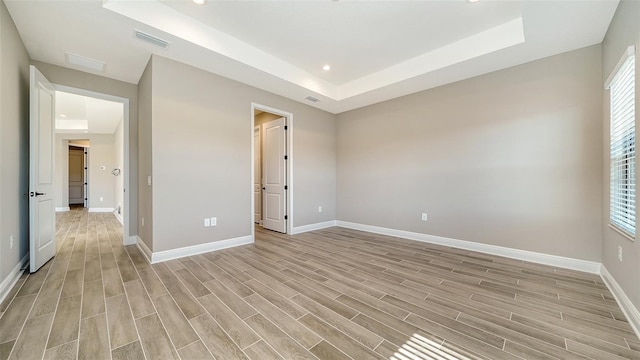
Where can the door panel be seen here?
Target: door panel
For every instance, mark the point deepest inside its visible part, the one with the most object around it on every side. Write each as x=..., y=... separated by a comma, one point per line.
x=42, y=220
x=274, y=175
x=76, y=176
x=257, y=176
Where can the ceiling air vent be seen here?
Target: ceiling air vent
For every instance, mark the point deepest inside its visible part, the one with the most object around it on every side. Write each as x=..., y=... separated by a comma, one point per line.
x=151, y=39
x=85, y=62
x=311, y=98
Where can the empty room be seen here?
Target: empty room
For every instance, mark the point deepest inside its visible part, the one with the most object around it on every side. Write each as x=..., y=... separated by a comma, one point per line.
x=335, y=179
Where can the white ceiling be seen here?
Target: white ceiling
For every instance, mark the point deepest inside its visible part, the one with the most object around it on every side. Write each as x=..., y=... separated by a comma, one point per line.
x=378, y=50
x=77, y=114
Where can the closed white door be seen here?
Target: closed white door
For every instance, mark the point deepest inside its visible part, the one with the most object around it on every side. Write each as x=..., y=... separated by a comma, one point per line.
x=76, y=176
x=274, y=194
x=42, y=216
x=257, y=176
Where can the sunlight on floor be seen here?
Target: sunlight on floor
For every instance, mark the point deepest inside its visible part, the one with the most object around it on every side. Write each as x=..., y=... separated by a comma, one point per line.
x=419, y=347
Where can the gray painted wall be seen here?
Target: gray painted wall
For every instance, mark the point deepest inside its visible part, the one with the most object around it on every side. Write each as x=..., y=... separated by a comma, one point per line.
x=201, y=140
x=511, y=158
x=623, y=32
x=14, y=145
x=81, y=80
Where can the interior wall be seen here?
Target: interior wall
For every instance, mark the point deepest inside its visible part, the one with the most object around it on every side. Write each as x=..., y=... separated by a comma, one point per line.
x=81, y=80
x=511, y=158
x=101, y=182
x=201, y=138
x=145, y=199
x=623, y=32
x=14, y=145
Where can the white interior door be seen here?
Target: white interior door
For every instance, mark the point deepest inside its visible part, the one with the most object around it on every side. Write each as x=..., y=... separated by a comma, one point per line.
x=257, y=176
x=76, y=176
x=42, y=216
x=274, y=176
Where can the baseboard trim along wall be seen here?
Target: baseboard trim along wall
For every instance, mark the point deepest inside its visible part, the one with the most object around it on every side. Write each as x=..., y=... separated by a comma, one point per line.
x=160, y=256
x=629, y=310
x=101, y=210
x=312, y=227
x=10, y=281
x=144, y=249
x=119, y=217
x=540, y=258
x=62, y=209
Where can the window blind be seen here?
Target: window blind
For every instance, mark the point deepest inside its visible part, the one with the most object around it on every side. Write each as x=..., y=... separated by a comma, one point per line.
x=623, y=148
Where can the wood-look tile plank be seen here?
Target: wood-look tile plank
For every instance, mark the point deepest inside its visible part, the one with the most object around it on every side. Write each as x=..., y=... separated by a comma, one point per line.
x=15, y=316
x=197, y=270
x=233, y=301
x=66, y=351
x=271, y=334
x=34, y=281
x=132, y=351
x=229, y=321
x=152, y=283
x=5, y=349
x=93, y=343
x=112, y=283
x=332, y=304
x=261, y=351
x=195, y=351
x=33, y=339
x=187, y=303
x=72, y=283
x=138, y=299
x=154, y=338
x=324, y=350
x=67, y=321
x=215, y=339
x=192, y=283
x=121, y=326
x=93, y=299
x=180, y=332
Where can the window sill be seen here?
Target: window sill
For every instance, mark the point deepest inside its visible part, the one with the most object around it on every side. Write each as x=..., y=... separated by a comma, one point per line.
x=615, y=228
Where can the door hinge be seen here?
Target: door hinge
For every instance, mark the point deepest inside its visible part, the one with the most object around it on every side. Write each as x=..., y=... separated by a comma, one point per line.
x=286, y=217
x=286, y=187
x=85, y=168
x=286, y=157
x=286, y=127
x=85, y=183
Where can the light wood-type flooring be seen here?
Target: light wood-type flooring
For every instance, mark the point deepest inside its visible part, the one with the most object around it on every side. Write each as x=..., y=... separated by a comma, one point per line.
x=329, y=294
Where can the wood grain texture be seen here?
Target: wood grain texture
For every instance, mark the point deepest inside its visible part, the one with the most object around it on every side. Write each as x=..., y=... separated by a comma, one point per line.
x=327, y=294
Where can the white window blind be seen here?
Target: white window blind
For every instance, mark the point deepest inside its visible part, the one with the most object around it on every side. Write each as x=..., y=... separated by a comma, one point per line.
x=623, y=146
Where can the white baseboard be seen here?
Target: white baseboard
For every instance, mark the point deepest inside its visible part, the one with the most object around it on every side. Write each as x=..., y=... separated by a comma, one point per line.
x=10, y=281
x=62, y=209
x=144, y=249
x=131, y=241
x=311, y=227
x=101, y=210
x=540, y=258
x=160, y=256
x=119, y=217
x=627, y=307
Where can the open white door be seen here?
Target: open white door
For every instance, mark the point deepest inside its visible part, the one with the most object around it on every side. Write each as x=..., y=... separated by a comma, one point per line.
x=42, y=216
x=274, y=174
x=257, y=176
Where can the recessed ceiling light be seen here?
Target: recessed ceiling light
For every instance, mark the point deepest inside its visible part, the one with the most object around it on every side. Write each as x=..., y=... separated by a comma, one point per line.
x=326, y=67
x=473, y=1
x=86, y=132
x=200, y=2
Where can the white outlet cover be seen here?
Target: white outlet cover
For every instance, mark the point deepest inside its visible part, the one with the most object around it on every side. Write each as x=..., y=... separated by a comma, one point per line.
x=214, y=221
x=319, y=208
x=207, y=222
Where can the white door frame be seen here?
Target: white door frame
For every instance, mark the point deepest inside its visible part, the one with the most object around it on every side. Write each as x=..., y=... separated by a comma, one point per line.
x=289, y=151
x=125, y=141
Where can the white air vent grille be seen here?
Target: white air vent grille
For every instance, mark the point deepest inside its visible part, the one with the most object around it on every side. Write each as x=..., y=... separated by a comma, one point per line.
x=85, y=62
x=151, y=39
x=311, y=98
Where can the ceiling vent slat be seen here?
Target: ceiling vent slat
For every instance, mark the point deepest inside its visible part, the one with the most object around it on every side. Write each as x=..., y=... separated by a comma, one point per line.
x=154, y=40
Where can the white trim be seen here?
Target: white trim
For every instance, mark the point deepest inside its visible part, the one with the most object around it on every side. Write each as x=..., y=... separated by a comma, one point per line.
x=312, y=227
x=144, y=249
x=131, y=240
x=629, y=51
x=10, y=281
x=100, y=210
x=627, y=307
x=160, y=256
x=119, y=217
x=289, y=151
x=63, y=209
x=540, y=258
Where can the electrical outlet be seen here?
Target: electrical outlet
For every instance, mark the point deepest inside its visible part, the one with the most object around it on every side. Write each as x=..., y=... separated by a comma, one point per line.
x=101, y=198
x=214, y=221
x=149, y=180
x=319, y=209
x=620, y=253
x=424, y=216
x=142, y=222
x=11, y=242
x=207, y=222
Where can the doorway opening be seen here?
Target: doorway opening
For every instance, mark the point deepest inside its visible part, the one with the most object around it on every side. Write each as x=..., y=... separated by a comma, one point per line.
x=272, y=170
x=92, y=129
